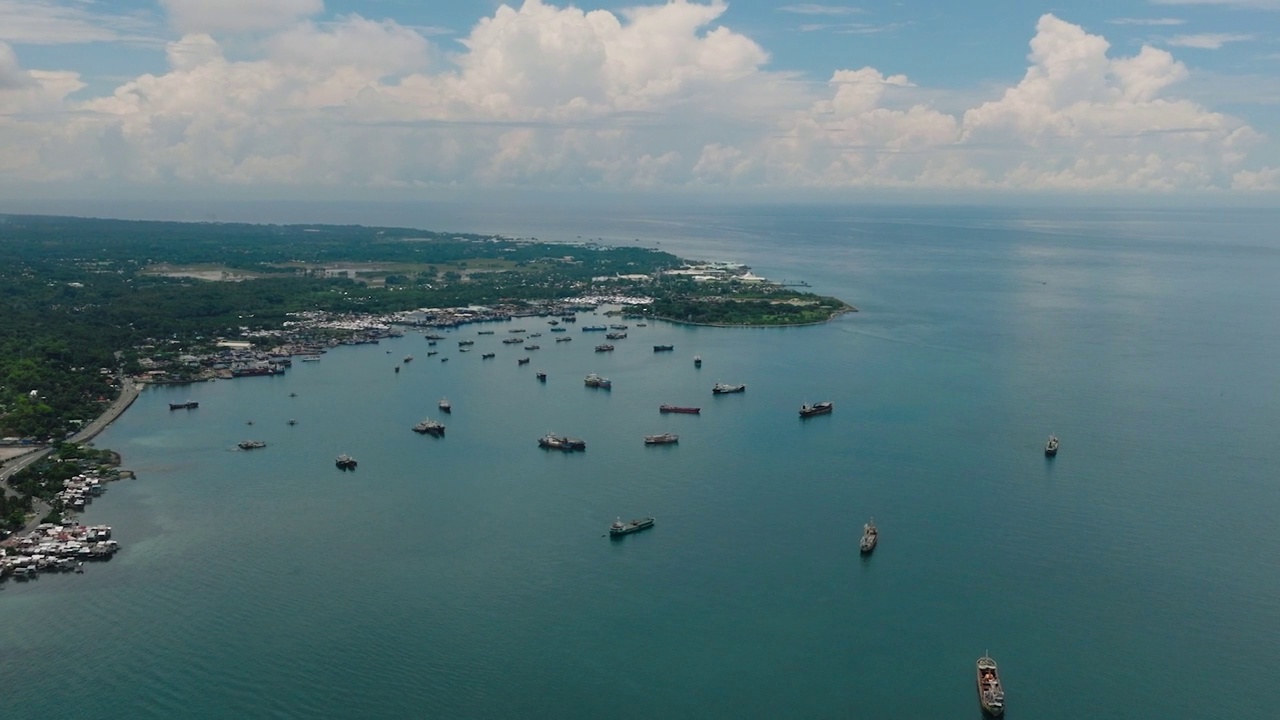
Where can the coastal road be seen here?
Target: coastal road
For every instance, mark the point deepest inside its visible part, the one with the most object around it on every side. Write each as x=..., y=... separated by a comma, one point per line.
x=128, y=393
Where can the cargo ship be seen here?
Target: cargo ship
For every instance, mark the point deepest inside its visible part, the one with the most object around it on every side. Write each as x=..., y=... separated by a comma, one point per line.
x=604, y=348
x=663, y=348
x=870, y=536
x=679, y=409
x=188, y=405
x=251, y=444
x=619, y=528
x=661, y=439
x=595, y=381
x=345, y=462
x=594, y=328
x=430, y=427
x=551, y=441
x=722, y=389
x=821, y=408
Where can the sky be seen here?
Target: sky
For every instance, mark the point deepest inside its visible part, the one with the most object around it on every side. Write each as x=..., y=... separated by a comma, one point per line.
x=338, y=98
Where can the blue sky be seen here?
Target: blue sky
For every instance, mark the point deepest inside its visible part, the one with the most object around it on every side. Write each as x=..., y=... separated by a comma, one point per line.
x=1079, y=96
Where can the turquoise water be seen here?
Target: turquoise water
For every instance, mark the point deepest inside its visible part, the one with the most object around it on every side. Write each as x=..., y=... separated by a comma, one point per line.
x=468, y=577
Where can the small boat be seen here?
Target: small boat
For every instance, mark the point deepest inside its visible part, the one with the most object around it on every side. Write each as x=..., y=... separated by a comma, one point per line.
x=618, y=327
x=821, y=408
x=251, y=444
x=397, y=368
x=293, y=394
x=517, y=330
x=532, y=347
x=870, y=536
x=558, y=329
x=466, y=349
x=595, y=381
x=188, y=405
x=619, y=528
x=604, y=348
x=444, y=359
x=408, y=358
x=432, y=352
x=486, y=356
x=433, y=337
x=722, y=389
x=485, y=332
x=465, y=343
x=990, y=691
x=564, y=339
x=345, y=462
x=248, y=422
x=293, y=422
x=445, y=405
x=535, y=334
x=551, y=441
x=553, y=322
x=663, y=348
x=431, y=342
x=1051, y=447
x=542, y=377
x=642, y=324
x=679, y=409
x=615, y=336
x=697, y=361
x=522, y=361
x=661, y=439
x=430, y=427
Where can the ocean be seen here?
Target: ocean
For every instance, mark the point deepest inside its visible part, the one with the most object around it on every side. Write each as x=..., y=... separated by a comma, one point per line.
x=470, y=576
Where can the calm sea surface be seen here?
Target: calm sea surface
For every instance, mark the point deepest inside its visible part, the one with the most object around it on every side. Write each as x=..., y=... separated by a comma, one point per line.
x=1135, y=575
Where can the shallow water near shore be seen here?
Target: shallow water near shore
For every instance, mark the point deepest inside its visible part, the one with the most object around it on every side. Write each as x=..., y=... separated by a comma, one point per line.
x=469, y=576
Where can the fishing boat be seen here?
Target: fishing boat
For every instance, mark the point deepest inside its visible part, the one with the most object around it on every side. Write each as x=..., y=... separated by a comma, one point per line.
x=663, y=348
x=188, y=405
x=551, y=441
x=821, y=408
x=619, y=528
x=870, y=536
x=486, y=356
x=604, y=348
x=1051, y=447
x=679, y=409
x=542, y=377
x=522, y=361
x=697, y=361
x=990, y=691
x=661, y=439
x=345, y=462
x=251, y=444
x=723, y=389
x=445, y=405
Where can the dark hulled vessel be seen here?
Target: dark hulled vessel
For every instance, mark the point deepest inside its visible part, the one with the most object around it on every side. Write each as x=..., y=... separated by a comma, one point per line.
x=619, y=528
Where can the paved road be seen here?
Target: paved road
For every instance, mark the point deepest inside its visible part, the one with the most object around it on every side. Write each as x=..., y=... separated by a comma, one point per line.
x=128, y=393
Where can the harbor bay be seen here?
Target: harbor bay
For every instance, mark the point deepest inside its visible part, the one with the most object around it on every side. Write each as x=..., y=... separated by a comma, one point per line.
x=471, y=575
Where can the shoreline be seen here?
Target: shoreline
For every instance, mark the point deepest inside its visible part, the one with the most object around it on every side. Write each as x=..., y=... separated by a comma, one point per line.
x=830, y=318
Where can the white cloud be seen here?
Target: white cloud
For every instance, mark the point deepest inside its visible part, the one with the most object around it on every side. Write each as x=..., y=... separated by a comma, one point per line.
x=1247, y=4
x=46, y=22
x=815, y=9
x=659, y=95
x=1154, y=22
x=1264, y=179
x=232, y=16
x=1207, y=41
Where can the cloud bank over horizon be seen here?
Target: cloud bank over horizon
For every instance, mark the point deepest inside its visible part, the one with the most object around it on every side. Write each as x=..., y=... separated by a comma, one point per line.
x=657, y=96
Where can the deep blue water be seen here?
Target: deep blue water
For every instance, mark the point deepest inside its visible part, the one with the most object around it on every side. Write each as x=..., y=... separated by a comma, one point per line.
x=1134, y=575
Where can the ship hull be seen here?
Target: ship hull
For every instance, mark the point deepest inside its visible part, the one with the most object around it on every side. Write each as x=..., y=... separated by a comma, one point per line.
x=674, y=409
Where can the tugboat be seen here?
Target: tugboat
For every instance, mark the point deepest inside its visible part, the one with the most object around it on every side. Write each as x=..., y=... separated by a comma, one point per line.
x=870, y=536
x=663, y=439
x=251, y=444
x=697, y=361
x=990, y=691
x=345, y=462
x=723, y=389
x=429, y=427
x=663, y=348
x=1051, y=447
x=679, y=409
x=445, y=405
x=619, y=528
x=821, y=408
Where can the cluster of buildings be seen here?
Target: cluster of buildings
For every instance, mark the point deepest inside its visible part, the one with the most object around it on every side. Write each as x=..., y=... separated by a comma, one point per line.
x=56, y=548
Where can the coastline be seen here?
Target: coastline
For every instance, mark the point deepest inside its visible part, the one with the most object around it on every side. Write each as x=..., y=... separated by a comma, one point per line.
x=829, y=318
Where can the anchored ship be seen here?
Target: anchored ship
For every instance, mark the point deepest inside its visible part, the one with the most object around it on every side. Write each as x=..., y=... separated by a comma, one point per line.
x=345, y=462
x=251, y=444
x=663, y=348
x=697, y=361
x=870, y=536
x=821, y=408
x=662, y=439
x=430, y=427
x=551, y=441
x=722, y=389
x=604, y=348
x=1051, y=447
x=486, y=356
x=679, y=409
x=595, y=381
x=990, y=691
x=542, y=376
x=619, y=528
x=188, y=405
x=445, y=405
x=615, y=336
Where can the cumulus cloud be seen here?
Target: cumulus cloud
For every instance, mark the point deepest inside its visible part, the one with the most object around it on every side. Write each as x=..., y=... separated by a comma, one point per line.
x=657, y=95
x=231, y=16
